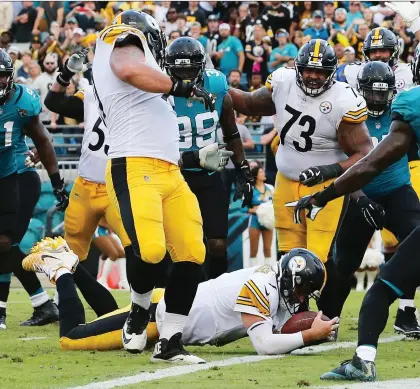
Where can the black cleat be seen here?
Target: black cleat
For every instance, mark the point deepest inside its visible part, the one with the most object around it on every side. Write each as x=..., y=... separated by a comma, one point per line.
x=134, y=335
x=406, y=323
x=173, y=351
x=44, y=314
x=3, y=319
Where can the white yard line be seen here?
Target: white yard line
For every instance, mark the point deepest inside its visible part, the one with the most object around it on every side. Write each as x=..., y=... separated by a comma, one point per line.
x=34, y=338
x=411, y=383
x=188, y=369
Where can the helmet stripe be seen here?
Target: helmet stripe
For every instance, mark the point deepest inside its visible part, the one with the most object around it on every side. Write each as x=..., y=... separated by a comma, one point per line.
x=317, y=48
x=376, y=34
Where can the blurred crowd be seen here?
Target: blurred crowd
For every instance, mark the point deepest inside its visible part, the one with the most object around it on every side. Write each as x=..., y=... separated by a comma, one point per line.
x=244, y=40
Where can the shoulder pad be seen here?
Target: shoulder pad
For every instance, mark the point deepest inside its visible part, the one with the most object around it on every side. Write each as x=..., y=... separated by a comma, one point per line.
x=118, y=32
x=29, y=104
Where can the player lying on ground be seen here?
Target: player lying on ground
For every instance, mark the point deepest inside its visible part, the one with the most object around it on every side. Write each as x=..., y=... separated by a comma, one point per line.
x=255, y=302
x=402, y=272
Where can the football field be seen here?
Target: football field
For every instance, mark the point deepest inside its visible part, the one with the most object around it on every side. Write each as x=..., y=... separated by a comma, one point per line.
x=30, y=359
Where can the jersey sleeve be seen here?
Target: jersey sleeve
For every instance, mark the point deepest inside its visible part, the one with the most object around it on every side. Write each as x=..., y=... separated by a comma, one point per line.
x=279, y=80
x=30, y=104
x=80, y=94
x=353, y=106
x=404, y=108
x=254, y=297
x=350, y=73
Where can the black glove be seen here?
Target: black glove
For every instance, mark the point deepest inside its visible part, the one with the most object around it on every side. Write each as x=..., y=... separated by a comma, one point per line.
x=373, y=212
x=307, y=203
x=181, y=88
x=60, y=192
x=244, y=184
x=317, y=174
x=202, y=93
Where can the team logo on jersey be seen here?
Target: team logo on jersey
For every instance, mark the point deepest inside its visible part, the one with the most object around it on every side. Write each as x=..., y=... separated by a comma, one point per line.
x=400, y=83
x=325, y=107
x=297, y=263
x=23, y=112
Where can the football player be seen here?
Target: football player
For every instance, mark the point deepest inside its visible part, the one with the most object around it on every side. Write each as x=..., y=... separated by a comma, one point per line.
x=143, y=177
x=185, y=59
x=390, y=191
x=322, y=133
x=256, y=302
x=20, y=108
x=401, y=274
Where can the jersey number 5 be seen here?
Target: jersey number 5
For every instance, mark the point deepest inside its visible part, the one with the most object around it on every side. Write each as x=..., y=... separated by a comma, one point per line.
x=305, y=121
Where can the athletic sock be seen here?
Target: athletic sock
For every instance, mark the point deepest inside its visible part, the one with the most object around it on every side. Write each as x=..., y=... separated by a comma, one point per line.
x=405, y=303
x=106, y=269
x=172, y=324
x=39, y=297
x=5, y=280
x=142, y=299
x=367, y=353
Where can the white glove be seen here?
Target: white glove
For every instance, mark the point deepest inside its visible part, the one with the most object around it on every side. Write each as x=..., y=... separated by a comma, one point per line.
x=28, y=162
x=408, y=11
x=76, y=62
x=214, y=157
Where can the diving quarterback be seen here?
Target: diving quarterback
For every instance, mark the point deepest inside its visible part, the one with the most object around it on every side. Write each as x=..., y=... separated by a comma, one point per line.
x=143, y=178
x=256, y=302
x=322, y=133
x=402, y=273
x=185, y=59
x=19, y=116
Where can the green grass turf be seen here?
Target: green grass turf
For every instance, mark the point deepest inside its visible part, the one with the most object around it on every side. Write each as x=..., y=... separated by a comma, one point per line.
x=40, y=363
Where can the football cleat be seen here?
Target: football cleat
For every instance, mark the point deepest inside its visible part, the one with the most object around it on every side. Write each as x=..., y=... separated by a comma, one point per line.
x=134, y=334
x=3, y=319
x=56, y=245
x=49, y=263
x=406, y=323
x=44, y=314
x=352, y=370
x=173, y=351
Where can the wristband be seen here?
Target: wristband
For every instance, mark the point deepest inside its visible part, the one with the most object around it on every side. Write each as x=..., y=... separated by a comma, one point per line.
x=328, y=194
x=230, y=137
x=61, y=81
x=56, y=181
x=190, y=159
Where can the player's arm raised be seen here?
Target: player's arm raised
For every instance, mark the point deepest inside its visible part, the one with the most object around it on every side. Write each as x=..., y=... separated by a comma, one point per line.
x=232, y=138
x=258, y=103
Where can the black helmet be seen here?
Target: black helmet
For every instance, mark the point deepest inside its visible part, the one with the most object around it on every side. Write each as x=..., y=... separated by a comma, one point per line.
x=149, y=27
x=376, y=83
x=382, y=38
x=6, y=70
x=185, y=59
x=415, y=65
x=301, y=274
x=316, y=54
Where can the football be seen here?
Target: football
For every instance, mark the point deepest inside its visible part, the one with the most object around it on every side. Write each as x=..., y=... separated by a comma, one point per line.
x=300, y=321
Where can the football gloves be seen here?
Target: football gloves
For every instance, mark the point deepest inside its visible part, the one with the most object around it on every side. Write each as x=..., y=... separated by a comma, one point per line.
x=317, y=174
x=186, y=89
x=75, y=64
x=61, y=195
x=32, y=159
x=373, y=212
x=244, y=184
x=409, y=12
x=214, y=157
x=303, y=203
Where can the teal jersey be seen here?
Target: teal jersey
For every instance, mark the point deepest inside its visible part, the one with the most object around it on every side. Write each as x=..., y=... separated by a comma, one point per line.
x=197, y=126
x=405, y=107
x=14, y=115
x=394, y=176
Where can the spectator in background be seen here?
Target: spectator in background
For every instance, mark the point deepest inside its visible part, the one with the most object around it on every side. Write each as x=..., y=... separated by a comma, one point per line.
x=247, y=25
x=368, y=17
x=354, y=12
x=298, y=39
x=73, y=41
x=257, y=53
x=340, y=20
x=56, y=32
x=380, y=12
x=35, y=47
x=24, y=22
x=14, y=53
x=161, y=11
x=171, y=24
x=229, y=173
x=349, y=57
x=243, y=14
x=85, y=16
x=6, y=15
x=71, y=24
x=283, y=53
x=234, y=80
x=318, y=29
x=43, y=83
x=230, y=51
x=329, y=8
x=304, y=14
x=195, y=32
x=48, y=12
x=232, y=19
x=34, y=71
x=181, y=22
x=339, y=52
x=277, y=16
x=194, y=14
x=212, y=35
x=174, y=35
x=356, y=39
x=407, y=38
x=51, y=46
x=23, y=71
x=6, y=38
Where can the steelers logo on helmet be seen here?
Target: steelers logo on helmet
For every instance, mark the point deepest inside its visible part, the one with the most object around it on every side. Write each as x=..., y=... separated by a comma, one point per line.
x=325, y=107
x=297, y=263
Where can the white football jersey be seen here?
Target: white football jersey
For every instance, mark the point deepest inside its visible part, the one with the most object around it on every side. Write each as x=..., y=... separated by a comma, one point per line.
x=93, y=159
x=307, y=125
x=403, y=75
x=215, y=317
x=140, y=124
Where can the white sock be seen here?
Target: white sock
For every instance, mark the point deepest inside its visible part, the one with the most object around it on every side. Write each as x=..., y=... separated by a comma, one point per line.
x=2, y=304
x=39, y=299
x=172, y=324
x=371, y=275
x=121, y=263
x=106, y=269
x=141, y=299
x=405, y=303
x=60, y=272
x=56, y=298
x=367, y=353
x=360, y=277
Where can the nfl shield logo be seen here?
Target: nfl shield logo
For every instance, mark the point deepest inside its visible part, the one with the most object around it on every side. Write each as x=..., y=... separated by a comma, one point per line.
x=378, y=125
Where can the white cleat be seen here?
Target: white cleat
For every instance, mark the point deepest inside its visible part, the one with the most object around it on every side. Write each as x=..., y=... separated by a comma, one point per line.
x=49, y=263
x=134, y=334
x=50, y=245
x=173, y=351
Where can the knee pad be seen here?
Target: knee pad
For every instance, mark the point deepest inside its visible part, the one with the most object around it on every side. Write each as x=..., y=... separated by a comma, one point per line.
x=216, y=248
x=196, y=253
x=5, y=243
x=152, y=252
